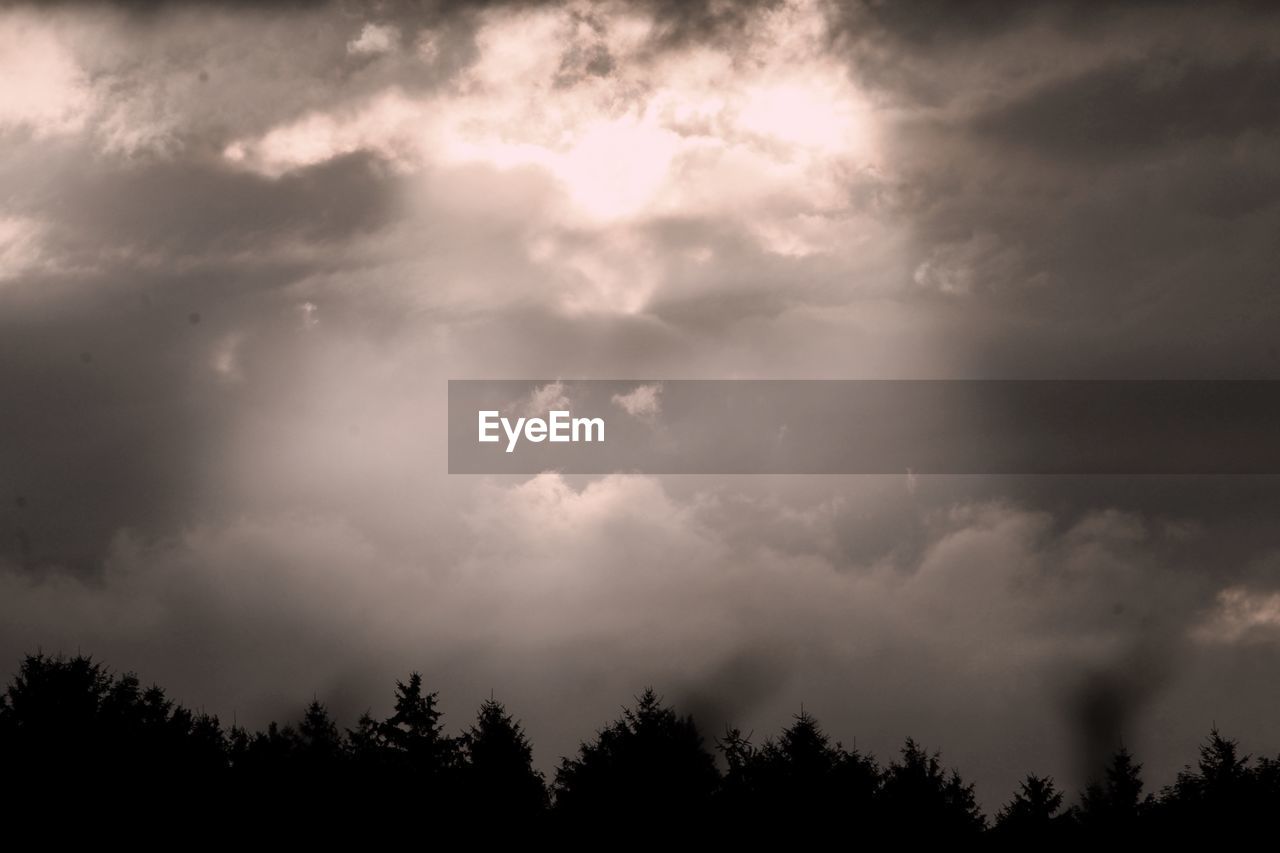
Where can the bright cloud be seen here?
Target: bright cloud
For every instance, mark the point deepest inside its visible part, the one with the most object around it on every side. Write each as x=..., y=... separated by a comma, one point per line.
x=626, y=131
x=373, y=39
x=643, y=402
x=1242, y=614
x=46, y=91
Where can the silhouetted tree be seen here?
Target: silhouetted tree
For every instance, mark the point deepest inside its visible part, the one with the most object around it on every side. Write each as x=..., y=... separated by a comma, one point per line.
x=1033, y=813
x=1266, y=786
x=366, y=744
x=918, y=794
x=266, y=756
x=407, y=760
x=498, y=778
x=739, y=788
x=414, y=735
x=68, y=726
x=1221, y=791
x=321, y=746
x=75, y=737
x=648, y=765
x=53, y=706
x=799, y=777
x=1115, y=805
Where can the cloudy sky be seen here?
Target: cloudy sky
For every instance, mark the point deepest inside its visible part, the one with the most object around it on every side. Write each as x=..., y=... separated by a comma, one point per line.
x=242, y=251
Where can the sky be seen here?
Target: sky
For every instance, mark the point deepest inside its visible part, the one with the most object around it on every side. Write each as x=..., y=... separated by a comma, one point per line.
x=244, y=247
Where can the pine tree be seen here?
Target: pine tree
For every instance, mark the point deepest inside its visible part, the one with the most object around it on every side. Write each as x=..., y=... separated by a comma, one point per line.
x=408, y=759
x=318, y=736
x=1116, y=804
x=917, y=793
x=365, y=741
x=1033, y=813
x=650, y=764
x=802, y=776
x=1222, y=769
x=739, y=789
x=498, y=775
x=1220, y=791
x=414, y=735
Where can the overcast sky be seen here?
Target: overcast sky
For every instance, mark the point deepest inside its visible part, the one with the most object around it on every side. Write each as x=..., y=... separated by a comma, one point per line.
x=241, y=252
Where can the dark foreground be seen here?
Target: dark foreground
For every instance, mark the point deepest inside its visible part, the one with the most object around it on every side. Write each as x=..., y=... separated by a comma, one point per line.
x=80, y=745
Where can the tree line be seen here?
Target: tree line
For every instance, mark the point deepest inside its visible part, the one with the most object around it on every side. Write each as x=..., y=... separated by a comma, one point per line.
x=71, y=729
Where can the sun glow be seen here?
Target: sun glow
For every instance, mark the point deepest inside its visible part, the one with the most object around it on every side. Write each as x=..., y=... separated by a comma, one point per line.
x=624, y=130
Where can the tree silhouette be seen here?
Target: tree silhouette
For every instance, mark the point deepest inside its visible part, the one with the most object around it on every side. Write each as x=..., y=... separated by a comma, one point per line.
x=916, y=793
x=74, y=737
x=1220, y=791
x=1266, y=788
x=67, y=726
x=53, y=707
x=1033, y=813
x=1115, y=805
x=365, y=743
x=406, y=758
x=319, y=742
x=795, y=778
x=648, y=765
x=414, y=729
x=498, y=779
x=739, y=788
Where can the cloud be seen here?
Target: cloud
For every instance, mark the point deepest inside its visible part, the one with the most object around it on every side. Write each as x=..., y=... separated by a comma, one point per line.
x=374, y=39
x=543, y=587
x=627, y=130
x=643, y=402
x=225, y=360
x=1242, y=614
x=21, y=249
x=1127, y=109
x=542, y=400
x=54, y=96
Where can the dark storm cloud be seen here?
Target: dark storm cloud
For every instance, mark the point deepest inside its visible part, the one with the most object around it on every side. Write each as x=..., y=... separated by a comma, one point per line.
x=172, y=211
x=943, y=25
x=1105, y=705
x=116, y=420
x=117, y=413
x=1106, y=215
x=1140, y=109
x=733, y=689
